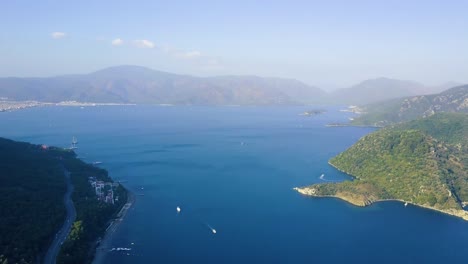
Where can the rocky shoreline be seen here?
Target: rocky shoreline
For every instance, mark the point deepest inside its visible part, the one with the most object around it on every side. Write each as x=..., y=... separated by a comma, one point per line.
x=358, y=200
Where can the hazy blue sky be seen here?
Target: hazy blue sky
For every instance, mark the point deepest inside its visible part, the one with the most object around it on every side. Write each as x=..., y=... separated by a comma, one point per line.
x=327, y=43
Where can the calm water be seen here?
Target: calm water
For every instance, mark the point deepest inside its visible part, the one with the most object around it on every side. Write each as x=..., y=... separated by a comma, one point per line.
x=193, y=157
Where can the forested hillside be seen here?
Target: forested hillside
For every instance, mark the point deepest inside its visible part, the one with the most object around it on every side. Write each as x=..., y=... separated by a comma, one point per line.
x=424, y=162
x=32, y=187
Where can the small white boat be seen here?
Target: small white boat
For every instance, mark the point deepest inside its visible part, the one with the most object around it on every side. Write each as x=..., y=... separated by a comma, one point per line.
x=321, y=176
x=178, y=209
x=213, y=230
x=406, y=204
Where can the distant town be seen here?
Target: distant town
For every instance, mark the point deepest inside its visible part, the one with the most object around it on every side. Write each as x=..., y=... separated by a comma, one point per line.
x=8, y=106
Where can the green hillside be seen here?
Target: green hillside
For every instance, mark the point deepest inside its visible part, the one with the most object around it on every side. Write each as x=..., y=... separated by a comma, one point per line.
x=32, y=185
x=422, y=162
x=31, y=204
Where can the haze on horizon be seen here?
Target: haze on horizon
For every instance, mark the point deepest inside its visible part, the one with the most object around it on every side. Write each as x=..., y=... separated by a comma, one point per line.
x=329, y=44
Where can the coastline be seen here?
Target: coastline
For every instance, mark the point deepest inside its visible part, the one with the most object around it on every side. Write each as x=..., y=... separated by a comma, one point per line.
x=9, y=106
x=114, y=224
x=363, y=203
x=351, y=125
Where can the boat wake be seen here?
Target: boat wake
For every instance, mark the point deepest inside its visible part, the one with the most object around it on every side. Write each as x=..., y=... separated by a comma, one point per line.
x=192, y=214
x=211, y=228
x=322, y=177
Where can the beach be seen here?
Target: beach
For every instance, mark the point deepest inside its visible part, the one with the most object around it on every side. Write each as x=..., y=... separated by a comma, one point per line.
x=105, y=245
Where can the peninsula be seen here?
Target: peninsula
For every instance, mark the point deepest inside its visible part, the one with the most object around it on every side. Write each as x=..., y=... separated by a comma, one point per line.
x=423, y=162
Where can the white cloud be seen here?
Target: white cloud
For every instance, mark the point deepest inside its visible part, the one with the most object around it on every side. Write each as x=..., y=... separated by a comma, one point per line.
x=143, y=43
x=58, y=35
x=117, y=42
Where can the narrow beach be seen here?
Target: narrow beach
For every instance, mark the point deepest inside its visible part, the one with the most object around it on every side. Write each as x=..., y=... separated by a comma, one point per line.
x=105, y=244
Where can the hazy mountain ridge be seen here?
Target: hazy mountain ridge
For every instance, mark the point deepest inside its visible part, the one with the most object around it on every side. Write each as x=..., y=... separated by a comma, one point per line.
x=381, y=89
x=405, y=109
x=134, y=84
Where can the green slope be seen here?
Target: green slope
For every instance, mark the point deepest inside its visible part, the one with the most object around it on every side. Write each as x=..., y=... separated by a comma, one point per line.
x=31, y=201
x=32, y=187
x=423, y=162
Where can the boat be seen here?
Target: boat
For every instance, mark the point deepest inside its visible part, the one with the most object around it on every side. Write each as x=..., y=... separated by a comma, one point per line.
x=97, y=162
x=213, y=230
x=406, y=204
x=178, y=209
x=322, y=176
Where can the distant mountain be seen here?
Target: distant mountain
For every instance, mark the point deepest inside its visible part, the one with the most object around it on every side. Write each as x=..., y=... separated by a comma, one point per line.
x=134, y=84
x=422, y=162
x=381, y=89
x=405, y=109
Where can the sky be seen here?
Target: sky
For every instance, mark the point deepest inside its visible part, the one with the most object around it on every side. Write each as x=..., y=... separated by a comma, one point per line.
x=330, y=44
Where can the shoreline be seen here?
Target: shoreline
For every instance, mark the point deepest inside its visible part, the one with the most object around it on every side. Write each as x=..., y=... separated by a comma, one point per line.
x=351, y=125
x=102, y=249
x=10, y=106
x=460, y=213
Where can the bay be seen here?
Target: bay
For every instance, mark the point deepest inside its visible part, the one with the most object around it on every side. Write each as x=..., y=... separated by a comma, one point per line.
x=233, y=169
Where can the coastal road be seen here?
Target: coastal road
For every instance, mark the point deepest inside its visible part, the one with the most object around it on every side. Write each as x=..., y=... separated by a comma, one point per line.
x=62, y=234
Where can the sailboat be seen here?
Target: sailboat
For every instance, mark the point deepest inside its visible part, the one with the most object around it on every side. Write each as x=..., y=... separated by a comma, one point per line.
x=178, y=209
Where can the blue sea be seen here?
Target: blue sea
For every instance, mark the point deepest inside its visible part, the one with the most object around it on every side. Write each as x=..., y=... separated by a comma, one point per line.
x=233, y=169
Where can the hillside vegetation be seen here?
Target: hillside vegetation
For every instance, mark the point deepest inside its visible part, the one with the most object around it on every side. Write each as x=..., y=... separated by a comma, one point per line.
x=31, y=203
x=423, y=162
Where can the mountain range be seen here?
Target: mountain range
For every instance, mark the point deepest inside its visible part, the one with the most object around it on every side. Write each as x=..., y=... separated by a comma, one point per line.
x=136, y=84
x=404, y=109
x=381, y=89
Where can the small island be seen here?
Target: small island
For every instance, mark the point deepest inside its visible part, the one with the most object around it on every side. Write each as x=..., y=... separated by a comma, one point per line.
x=423, y=162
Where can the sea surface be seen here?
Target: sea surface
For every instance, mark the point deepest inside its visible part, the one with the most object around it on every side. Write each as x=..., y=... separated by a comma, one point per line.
x=233, y=169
